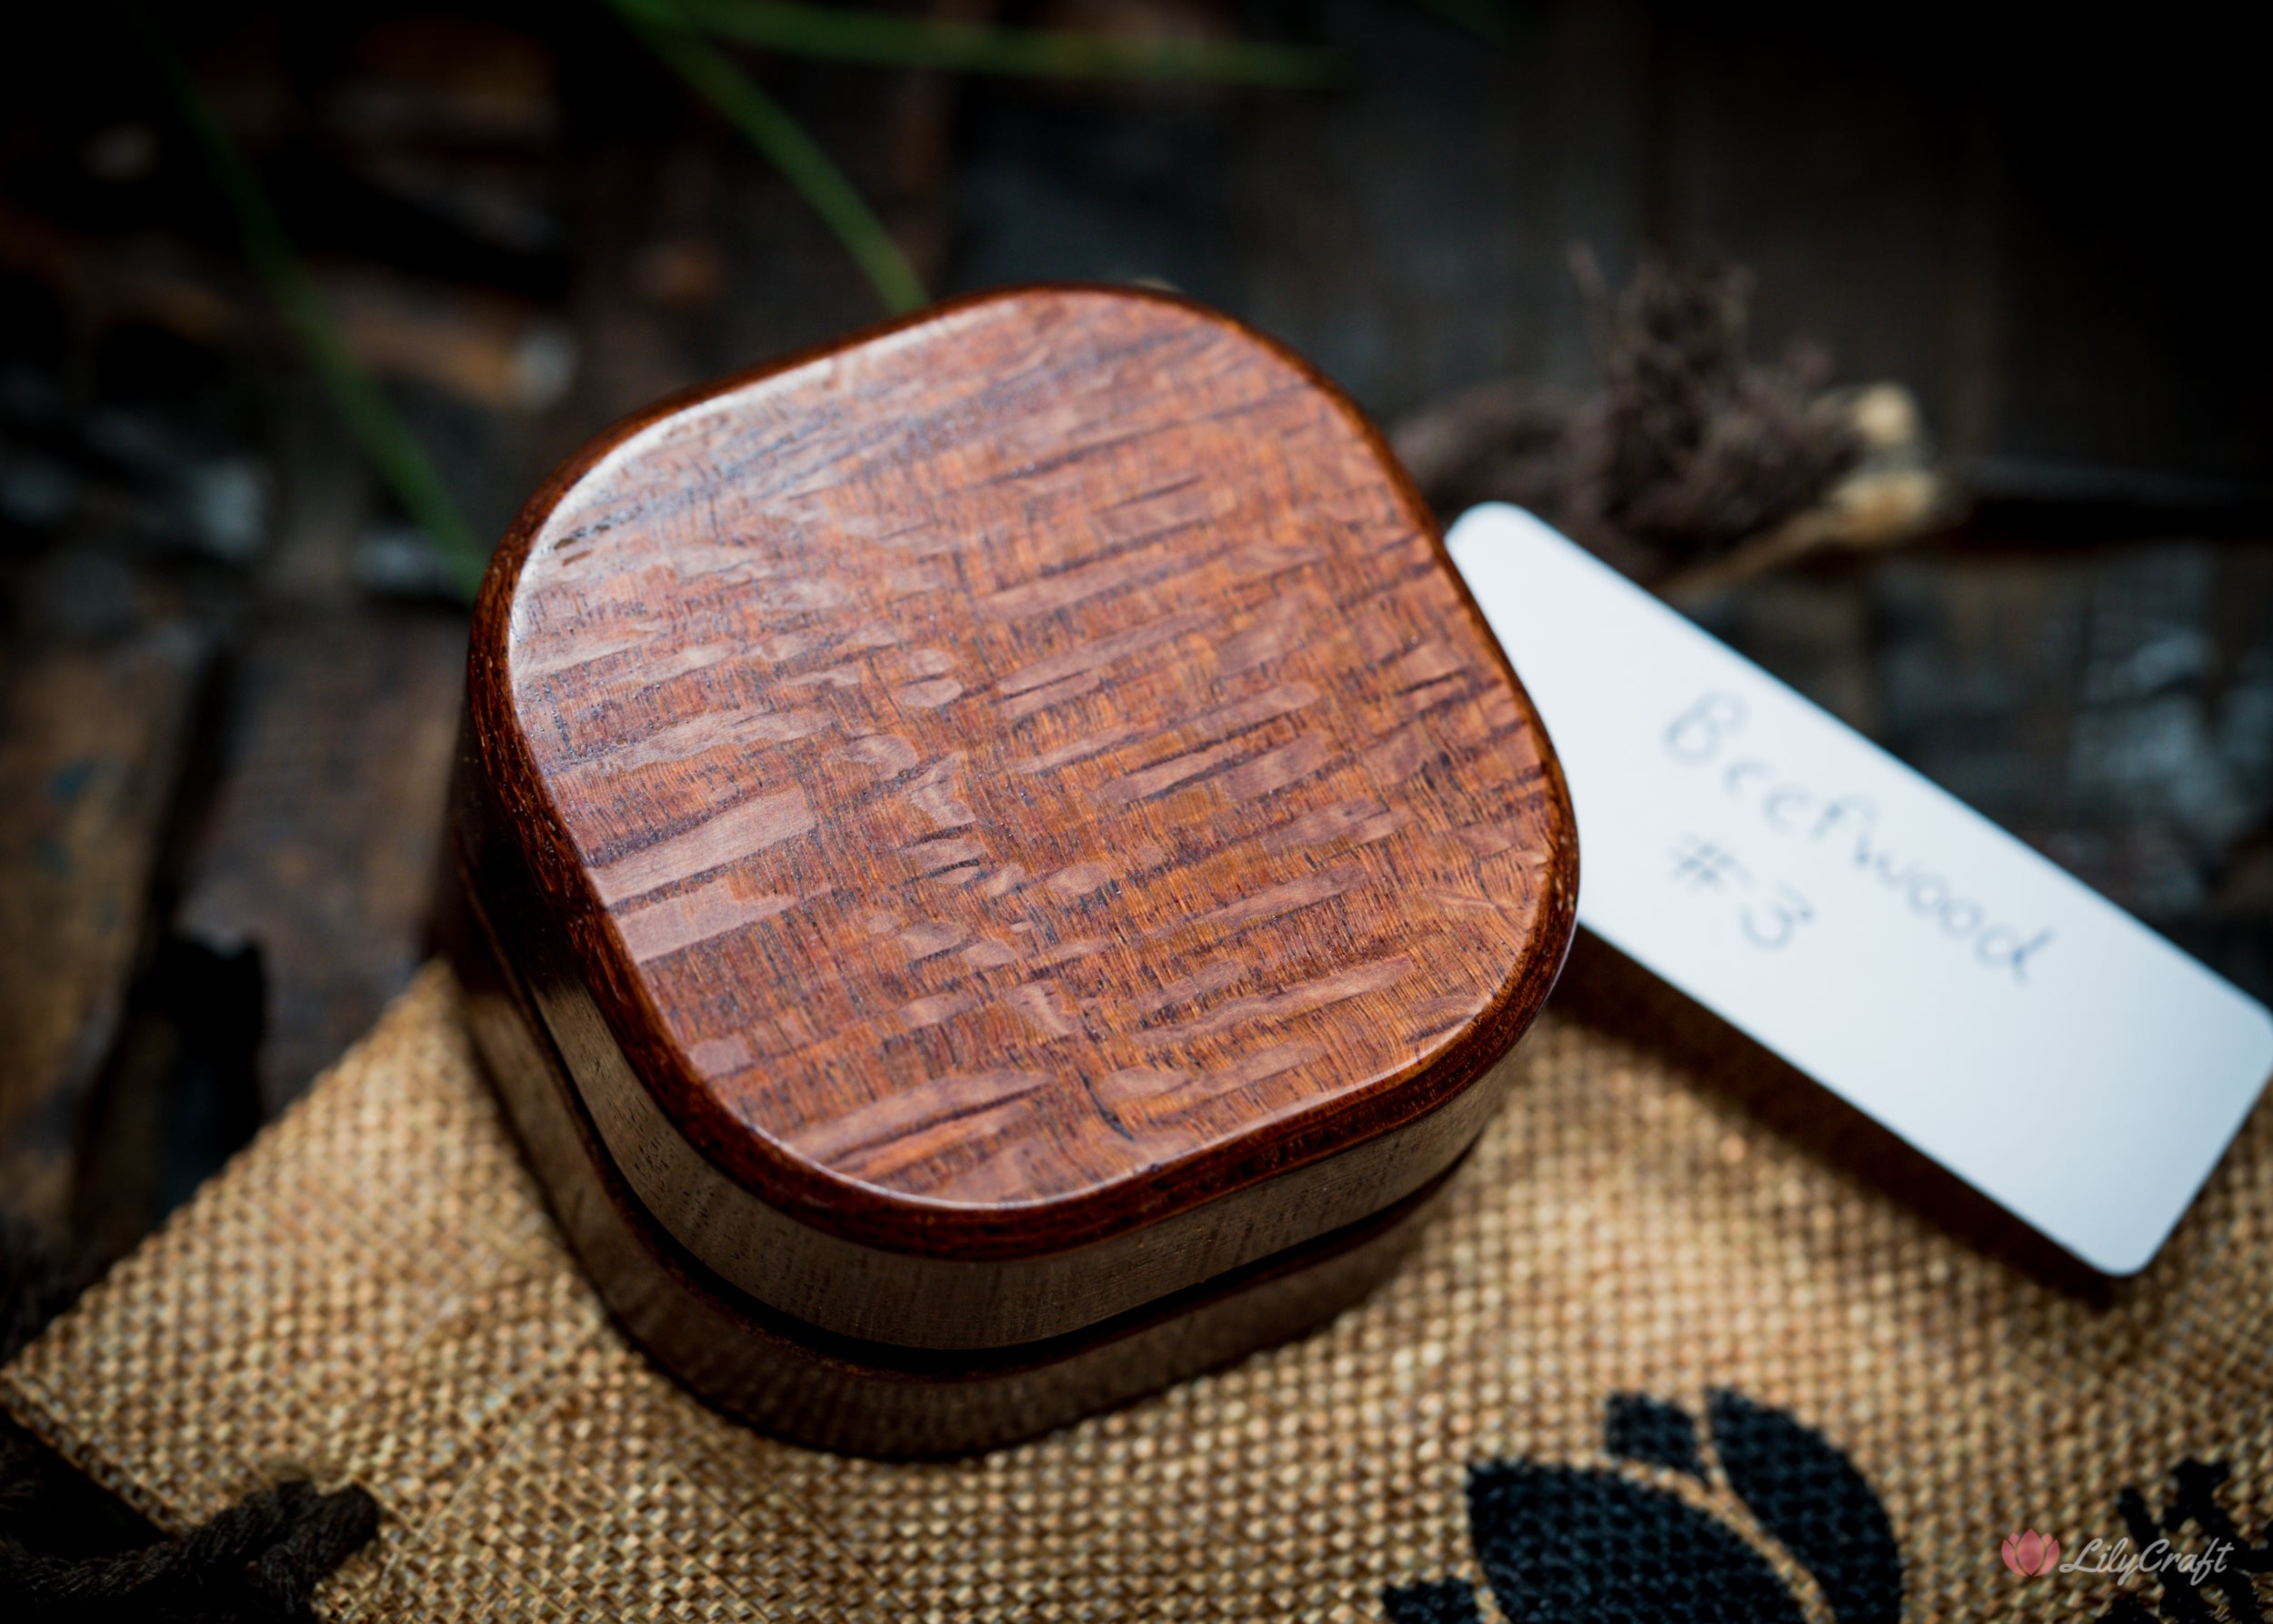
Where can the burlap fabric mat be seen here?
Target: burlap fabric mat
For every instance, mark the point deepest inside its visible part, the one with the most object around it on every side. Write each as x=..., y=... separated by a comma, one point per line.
x=1667, y=1328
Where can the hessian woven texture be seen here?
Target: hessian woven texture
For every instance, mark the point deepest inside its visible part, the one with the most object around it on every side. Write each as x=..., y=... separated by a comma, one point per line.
x=1663, y=1356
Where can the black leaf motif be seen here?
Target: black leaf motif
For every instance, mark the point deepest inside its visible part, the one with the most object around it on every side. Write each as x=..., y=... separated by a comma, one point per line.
x=1810, y=1496
x=1564, y=1545
x=2124, y=1609
x=1441, y=1602
x=1638, y=1427
x=1589, y=1545
x=2193, y=1485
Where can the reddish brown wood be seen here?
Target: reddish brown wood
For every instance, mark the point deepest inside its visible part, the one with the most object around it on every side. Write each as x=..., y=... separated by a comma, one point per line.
x=1022, y=791
x=873, y=1399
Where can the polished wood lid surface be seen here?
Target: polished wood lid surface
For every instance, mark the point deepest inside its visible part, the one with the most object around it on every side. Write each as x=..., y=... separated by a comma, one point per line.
x=1022, y=774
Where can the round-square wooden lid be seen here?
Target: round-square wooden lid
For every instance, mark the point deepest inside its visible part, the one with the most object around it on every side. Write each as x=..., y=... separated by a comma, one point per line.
x=1012, y=780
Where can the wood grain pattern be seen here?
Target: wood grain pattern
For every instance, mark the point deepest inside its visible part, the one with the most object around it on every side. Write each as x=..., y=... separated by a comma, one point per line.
x=1020, y=776
x=834, y=1284
x=867, y=1397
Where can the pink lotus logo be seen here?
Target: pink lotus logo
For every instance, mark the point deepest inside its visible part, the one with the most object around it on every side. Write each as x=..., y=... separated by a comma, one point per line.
x=2031, y=1553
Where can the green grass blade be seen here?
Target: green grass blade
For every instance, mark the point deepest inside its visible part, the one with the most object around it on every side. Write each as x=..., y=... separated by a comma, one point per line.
x=386, y=439
x=885, y=40
x=714, y=76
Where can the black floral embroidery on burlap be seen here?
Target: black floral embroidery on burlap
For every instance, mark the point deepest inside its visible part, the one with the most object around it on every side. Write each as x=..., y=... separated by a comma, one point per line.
x=1811, y=1497
x=1560, y=1542
x=1638, y=1427
x=2193, y=1503
x=1440, y=1601
x=1587, y=1544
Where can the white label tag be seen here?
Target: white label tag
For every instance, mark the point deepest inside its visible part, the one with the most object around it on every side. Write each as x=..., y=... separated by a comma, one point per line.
x=1869, y=928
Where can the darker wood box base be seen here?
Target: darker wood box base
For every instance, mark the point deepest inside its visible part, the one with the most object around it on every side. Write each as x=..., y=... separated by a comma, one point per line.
x=834, y=1392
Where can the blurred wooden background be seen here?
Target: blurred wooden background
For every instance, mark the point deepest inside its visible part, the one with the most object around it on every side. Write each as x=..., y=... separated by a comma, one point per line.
x=230, y=671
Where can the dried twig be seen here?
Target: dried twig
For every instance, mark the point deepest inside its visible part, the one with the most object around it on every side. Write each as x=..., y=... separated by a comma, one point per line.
x=1693, y=466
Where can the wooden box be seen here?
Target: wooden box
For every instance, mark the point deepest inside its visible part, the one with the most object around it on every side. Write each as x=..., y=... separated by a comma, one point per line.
x=998, y=864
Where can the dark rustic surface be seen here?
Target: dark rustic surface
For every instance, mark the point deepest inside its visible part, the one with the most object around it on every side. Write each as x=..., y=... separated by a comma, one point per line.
x=320, y=847
x=530, y=229
x=93, y=743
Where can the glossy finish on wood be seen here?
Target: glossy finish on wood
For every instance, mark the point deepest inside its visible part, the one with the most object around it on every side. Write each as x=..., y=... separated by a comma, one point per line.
x=849, y=1289
x=867, y=1397
x=1010, y=817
